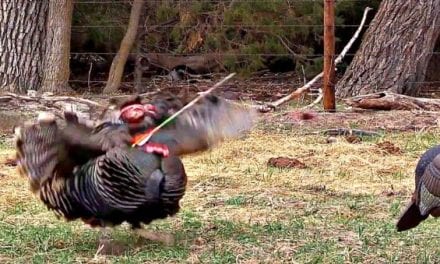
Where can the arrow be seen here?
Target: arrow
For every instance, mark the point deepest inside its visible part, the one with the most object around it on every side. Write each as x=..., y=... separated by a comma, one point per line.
x=144, y=139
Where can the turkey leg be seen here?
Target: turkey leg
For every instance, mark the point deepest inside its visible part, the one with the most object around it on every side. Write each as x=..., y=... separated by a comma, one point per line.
x=165, y=238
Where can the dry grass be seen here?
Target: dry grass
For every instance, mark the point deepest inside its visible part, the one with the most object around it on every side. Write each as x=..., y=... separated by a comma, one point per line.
x=340, y=209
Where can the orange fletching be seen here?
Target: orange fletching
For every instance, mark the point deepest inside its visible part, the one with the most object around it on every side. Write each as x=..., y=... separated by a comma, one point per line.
x=138, y=137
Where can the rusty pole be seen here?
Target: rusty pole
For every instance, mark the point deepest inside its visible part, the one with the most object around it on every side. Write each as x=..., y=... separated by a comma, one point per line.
x=329, y=100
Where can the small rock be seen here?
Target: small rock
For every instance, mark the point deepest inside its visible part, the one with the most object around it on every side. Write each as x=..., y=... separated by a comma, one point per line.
x=32, y=93
x=330, y=140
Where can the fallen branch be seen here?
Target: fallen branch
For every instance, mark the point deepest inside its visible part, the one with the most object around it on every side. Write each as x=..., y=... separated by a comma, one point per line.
x=298, y=92
x=88, y=109
x=316, y=101
x=73, y=99
x=347, y=131
x=393, y=101
x=9, y=96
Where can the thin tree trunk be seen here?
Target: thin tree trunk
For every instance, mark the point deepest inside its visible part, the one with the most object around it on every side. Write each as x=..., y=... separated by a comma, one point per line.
x=22, y=35
x=139, y=86
x=118, y=64
x=396, y=49
x=56, y=60
x=138, y=72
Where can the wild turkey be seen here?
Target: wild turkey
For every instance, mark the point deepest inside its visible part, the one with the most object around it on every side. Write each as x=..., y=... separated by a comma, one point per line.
x=209, y=122
x=425, y=200
x=95, y=175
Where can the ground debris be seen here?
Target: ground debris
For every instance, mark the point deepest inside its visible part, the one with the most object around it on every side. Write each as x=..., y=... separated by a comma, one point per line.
x=389, y=147
x=10, y=162
x=392, y=192
x=285, y=162
x=302, y=115
x=316, y=188
x=349, y=132
x=353, y=139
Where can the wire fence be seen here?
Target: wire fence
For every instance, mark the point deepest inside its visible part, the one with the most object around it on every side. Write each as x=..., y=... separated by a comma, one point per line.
x=89, y=67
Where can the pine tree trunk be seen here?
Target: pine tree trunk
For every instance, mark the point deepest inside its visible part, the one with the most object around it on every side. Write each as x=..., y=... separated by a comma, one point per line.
x=118, y=64
x=396, y=49
x=57, y=54
x=22, y=35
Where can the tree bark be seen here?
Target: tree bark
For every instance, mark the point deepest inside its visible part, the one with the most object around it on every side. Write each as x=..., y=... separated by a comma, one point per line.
x=22, y=35
x=396, y=49
x=328, y=88
x=118, y=64
x=57, y=54
x=139, y=86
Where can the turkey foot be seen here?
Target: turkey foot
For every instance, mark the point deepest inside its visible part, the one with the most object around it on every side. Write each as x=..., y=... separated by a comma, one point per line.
x=165, y=238
x=106, y=246
x=158, y=148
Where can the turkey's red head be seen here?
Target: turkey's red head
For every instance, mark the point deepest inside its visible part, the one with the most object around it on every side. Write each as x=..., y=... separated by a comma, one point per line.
x=135, y=113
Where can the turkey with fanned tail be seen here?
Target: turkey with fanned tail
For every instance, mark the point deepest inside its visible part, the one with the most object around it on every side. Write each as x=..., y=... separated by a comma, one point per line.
x=94, y=174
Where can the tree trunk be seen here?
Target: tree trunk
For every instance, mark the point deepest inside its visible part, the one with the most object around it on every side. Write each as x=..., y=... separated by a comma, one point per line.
x=118, y=64
x=57, y=54
x=22, y=35
x=139, y=86
x=396, y=49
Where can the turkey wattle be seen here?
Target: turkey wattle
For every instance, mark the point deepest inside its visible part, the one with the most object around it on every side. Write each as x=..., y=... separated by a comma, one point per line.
x=94, y=174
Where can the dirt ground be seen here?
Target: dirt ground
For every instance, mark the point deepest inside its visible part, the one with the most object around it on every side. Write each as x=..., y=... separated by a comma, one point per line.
x=261, y=89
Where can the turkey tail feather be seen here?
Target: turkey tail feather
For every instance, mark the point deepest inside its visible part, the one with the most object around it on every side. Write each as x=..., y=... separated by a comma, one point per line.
x=37, y=149
x=410, y=218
